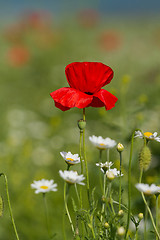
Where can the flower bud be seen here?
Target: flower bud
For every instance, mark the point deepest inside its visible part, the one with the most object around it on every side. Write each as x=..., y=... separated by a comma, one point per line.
x=120, y=147
x=140, y=216
x=120, y=213
x=103, y=199
x=120, y=231
x=144, y=158
x=110, y=175
x=106, y=225
x=81, y=124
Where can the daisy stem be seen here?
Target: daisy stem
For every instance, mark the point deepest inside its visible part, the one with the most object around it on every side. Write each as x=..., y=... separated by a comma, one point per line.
x=100, y=160
x=110, y=197
x=120, y=199
x=66, y=207
x=157, y=195
x=9, y=205
x=46, y=215
x=129, y=183
x=85, y=160
x=108, y=156
x=77, y=194
x=104, y=193
x=154, y=226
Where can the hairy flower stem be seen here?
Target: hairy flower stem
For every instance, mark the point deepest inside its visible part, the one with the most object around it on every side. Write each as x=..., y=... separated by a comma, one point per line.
x=152, y=220
x=85, y=160
x=129, y=183
x=9, y=205
x=46, y=215
x=80, y=150
x=66, y=207
x=120, y=199
x=157, y=195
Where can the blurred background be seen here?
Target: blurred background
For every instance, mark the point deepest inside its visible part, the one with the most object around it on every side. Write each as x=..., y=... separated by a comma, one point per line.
x=37, y=40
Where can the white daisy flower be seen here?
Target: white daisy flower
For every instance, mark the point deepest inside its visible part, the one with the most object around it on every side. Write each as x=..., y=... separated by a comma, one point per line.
x=72, y=177
x=70, y=158
x=102, y=143
x=104, y=166
x=43, y=186
x=114, y=171
x=148, y=135
x=146, y=189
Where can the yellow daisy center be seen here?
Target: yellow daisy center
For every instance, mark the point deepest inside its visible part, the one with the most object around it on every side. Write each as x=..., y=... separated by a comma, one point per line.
x=44, y=187
x=148, y=192
x=70, y=159
x=102, y=144
x=148, y=134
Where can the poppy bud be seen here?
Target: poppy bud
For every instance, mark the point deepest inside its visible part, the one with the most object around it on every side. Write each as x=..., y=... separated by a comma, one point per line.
x=120, y=147
x=81, y=124
x=144, y=158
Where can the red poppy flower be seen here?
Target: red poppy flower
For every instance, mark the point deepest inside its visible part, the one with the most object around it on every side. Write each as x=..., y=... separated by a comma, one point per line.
x=86, y=80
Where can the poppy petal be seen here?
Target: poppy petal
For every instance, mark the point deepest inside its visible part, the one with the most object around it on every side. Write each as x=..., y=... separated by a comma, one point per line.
x=66, y=98
x=88, y=77
x=104, y=97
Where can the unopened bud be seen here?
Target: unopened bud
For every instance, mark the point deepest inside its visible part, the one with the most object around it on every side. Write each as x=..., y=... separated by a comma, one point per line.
x=140, y=216
x=103, y=199
x=120, y=213
x=120, y=147
x=81, y=124
x=144, y=158
x=106, y=225
x=121, y=231
x=110, y=175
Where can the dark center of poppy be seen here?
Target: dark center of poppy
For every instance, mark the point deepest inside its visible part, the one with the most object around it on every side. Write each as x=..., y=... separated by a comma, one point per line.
x=89, y=93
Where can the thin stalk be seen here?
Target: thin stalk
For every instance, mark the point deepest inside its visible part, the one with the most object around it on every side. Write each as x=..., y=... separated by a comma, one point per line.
x=129, y=182
x=145, y=223
x=77, y=194
x=85, y=160
x=67, y=211
x=80, y=150
x=104, y=193
x=9, y=205
x=100, y=160
x=152, y=220
x=46, y=215
x=120, y=198
x=108, y=156
x=110, y=197
x=157, y=213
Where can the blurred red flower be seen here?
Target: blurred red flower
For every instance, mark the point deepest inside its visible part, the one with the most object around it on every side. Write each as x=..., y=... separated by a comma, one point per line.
x=18, y=55
x=110, y=40
x=86, y=80
x=88, y=18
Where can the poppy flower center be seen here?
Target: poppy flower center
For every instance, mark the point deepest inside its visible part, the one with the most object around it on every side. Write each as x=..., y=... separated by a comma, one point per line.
x=148, y=134
x=44, y=187
x=88, y=93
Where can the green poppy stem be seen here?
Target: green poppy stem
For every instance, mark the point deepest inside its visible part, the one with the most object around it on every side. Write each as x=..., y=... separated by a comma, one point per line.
x=85, y=160
x=9, y=205
x=120, y=198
